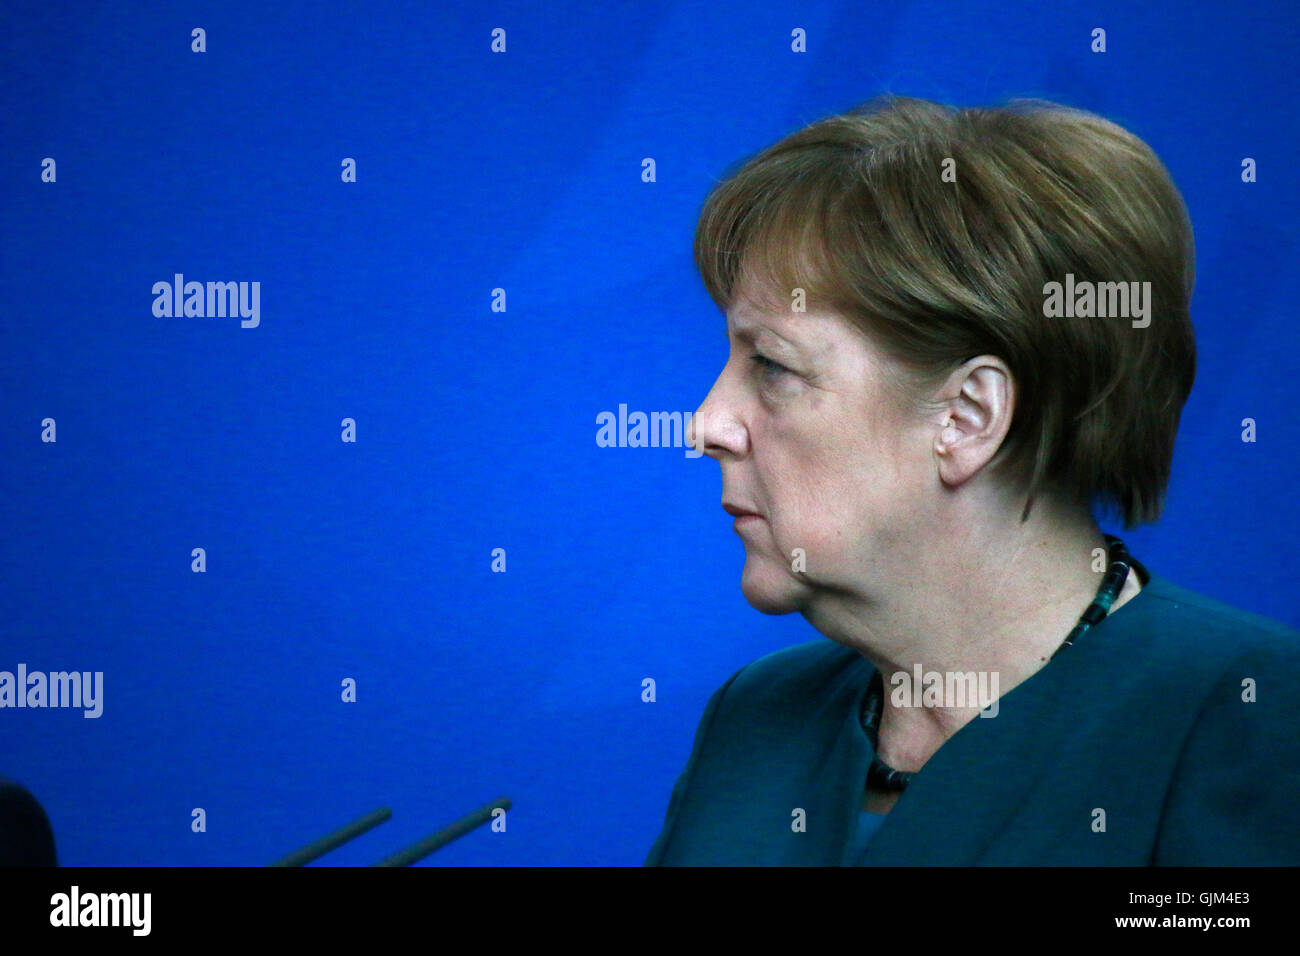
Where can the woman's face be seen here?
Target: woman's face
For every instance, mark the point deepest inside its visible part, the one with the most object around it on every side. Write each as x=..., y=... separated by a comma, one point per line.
x=811, y=440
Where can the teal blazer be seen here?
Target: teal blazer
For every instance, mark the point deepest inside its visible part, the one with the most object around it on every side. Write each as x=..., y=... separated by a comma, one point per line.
x=1143, y=718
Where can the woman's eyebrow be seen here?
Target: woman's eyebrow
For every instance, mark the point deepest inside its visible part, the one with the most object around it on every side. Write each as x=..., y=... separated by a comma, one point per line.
x=749, y=333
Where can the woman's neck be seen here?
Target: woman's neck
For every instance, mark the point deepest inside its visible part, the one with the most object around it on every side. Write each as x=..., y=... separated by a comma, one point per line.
x=995, y=604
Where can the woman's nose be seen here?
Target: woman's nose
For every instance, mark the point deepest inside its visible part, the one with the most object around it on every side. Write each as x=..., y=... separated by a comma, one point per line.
x=715, y=429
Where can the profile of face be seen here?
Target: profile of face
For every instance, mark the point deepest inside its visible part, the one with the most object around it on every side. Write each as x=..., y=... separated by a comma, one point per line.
x=819, y=451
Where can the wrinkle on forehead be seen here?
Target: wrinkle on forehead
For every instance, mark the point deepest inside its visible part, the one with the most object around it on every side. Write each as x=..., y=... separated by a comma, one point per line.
x=817, y=334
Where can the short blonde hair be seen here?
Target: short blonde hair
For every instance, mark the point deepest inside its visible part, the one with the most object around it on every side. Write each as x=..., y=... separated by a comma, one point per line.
x=856, y=210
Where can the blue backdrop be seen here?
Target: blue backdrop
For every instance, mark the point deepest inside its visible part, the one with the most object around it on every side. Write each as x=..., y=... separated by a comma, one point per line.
x=476, y=410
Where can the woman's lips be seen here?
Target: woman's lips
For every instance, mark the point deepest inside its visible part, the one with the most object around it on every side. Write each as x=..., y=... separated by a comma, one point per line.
x=744, y=517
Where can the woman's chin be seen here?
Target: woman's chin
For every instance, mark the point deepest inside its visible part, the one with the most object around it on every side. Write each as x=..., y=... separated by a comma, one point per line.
x=770, y=590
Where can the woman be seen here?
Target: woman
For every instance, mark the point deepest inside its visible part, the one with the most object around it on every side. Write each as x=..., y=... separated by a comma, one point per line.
x=952, y=334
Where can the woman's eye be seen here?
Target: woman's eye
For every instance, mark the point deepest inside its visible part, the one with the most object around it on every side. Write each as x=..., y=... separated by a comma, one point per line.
x=768, y=366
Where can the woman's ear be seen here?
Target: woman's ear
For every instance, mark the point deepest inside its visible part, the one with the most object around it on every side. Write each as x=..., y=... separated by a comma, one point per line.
x=975, y=419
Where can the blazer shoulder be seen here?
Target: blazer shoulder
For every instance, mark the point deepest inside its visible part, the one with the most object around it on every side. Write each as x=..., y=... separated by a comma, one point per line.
x=759, y=702
x=806, y=672
x=1196, y=624
x=1231, y=799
